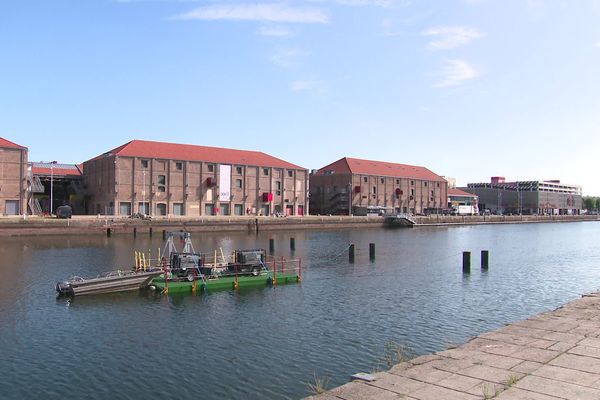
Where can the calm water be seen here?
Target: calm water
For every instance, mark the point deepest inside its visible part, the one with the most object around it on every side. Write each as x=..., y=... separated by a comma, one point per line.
x=270, y=343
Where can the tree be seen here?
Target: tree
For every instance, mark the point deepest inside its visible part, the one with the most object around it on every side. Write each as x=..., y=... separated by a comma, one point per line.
x=589, y=203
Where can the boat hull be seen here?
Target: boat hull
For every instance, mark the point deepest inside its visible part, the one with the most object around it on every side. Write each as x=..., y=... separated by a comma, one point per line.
x=224, y=283
x=119, y=282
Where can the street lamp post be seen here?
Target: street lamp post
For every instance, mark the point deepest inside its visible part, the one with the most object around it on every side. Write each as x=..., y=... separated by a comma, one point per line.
x=52, y=163
x=144, y=191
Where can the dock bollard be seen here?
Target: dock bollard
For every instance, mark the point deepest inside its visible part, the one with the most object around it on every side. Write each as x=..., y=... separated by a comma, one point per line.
x=371, y=251
x=466, y=262
x=134, y=232
x=108, y=232
x=164, y=234
x=351, y=253
x=150, y=231
x=271, y=245
x=292, y=244
x=485, y=259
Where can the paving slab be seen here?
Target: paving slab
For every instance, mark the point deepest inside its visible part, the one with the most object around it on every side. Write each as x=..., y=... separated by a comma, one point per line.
x=553, y=355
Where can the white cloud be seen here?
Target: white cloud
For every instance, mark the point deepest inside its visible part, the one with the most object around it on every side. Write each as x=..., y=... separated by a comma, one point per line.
x=273, y=31
x=455, y=73
x=448, y=37
x=302, y=85
x=269, y=12
x=597, y=44
x=288, y=58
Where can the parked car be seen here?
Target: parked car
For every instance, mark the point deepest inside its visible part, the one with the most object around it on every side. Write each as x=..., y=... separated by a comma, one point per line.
x=64, y=212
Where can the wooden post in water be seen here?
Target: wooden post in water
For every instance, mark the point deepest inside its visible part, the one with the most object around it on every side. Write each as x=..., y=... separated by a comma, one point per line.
x=134, y=232
x=351, y=253
x=466, y=262
x=485, y=259
x=108, y=232
x=292, y=244
x=371, y=251
x=164, y=234
x=150, y=231
x=271, y=245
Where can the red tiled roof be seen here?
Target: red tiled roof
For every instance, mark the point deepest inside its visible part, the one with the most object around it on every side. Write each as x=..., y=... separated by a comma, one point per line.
x=189, y=152
x=8, y=144
x=458, y=192
x=44, y=169
x=380, y=168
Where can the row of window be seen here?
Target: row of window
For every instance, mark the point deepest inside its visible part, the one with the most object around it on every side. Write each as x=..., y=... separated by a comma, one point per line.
x=209, y=209
x=412, y=182
x=211, y=168
x=162, y=181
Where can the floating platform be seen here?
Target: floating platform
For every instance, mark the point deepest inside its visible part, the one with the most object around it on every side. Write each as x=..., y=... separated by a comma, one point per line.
x=224, y=283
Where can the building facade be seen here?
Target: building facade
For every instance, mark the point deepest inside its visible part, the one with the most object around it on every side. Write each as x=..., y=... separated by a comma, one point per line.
x=462, y=203
x=63, y=183
x=13, y=178
x=355, y=186
x=527, y=197
x=163, y=179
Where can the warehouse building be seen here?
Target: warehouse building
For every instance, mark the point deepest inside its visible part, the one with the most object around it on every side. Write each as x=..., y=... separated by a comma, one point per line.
x=161, y=179
x=54, y=185
x=527, y=197
x=355, y=186
x=13, y=178
x=461, y=202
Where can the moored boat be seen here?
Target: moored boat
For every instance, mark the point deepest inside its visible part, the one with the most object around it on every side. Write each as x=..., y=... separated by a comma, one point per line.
x=110, y=282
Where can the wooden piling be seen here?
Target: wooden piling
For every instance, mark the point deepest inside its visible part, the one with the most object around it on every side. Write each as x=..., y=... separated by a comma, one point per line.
x=485, y=259
x=164, y=234
x=351, y=253
x=108, y=232
x=134, y=232
x=371, y=251
x=292, y=244
x=271, y=245
x=150, y=231
x=466, y=262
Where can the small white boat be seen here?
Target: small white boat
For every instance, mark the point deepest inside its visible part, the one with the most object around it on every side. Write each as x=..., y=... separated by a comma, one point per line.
x=110, y=282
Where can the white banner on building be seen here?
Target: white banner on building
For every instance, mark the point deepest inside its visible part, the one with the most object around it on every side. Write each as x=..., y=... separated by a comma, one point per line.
x=224, y=182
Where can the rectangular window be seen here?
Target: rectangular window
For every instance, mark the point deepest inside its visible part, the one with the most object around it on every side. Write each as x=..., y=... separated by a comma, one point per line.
x=161, y=209
x=239, y=170
x=278, y=188
x=425, y=184
x=209, y=209
x=290, y=173
x=161, y=183
x=177, y=208
x=412, y=192
x=144, y=163
x=178, y=166
x=438, y=184
x=224, y=209
x=143, y=207
x=374, y=189
x=265, y=171
x=238, y=209
x=210, y=167
x=238, y=183
x=124, y=208
x=382, y=180
x=432, y=194
x=397, y=181
x=365, y=179
x=412, y=183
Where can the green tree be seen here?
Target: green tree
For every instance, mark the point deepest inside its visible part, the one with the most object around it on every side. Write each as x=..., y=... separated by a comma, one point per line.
x=589, y=202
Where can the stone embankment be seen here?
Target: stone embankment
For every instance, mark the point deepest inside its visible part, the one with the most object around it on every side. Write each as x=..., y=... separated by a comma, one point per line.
x=14, y=226
x=553, y=355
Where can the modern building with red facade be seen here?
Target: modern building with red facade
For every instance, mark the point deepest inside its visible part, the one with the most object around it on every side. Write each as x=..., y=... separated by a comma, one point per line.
x=163, y=179
x=355, y=186
x=13, y=178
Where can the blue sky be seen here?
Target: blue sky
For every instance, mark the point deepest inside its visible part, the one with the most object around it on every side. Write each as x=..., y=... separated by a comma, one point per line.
x=468, y=88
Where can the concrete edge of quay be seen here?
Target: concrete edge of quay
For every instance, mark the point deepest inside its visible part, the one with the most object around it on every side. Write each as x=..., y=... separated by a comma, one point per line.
x=32, y=225
x=551, y=355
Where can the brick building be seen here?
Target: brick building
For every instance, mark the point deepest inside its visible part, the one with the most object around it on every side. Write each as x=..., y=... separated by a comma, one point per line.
x=356, y=186
x=178, y=179
x=13, y=178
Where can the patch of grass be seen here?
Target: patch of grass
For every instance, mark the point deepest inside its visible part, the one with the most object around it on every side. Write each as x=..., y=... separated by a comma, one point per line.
x=511, y=380
x=393, y=353
x=318, y=385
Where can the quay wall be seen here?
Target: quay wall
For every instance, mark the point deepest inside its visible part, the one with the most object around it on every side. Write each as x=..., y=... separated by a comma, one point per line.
x=17, y=226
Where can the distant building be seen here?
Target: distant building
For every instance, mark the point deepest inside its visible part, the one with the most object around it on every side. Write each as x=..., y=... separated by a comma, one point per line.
x=355, y=186
x=159, y=178
x=527, y=197
x=13, y=178
x=462, y=203
x=64, y=182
